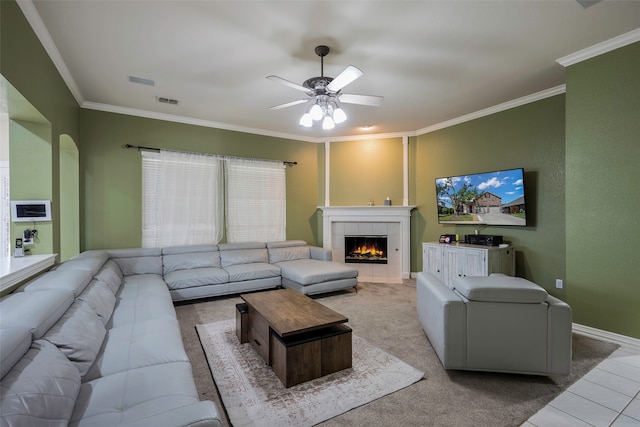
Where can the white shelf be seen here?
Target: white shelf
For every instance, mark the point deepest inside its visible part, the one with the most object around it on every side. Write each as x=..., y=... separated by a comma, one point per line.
x=15, y=270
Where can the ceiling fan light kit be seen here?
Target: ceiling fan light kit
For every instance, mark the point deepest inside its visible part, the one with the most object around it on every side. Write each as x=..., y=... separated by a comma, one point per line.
x=325, y=92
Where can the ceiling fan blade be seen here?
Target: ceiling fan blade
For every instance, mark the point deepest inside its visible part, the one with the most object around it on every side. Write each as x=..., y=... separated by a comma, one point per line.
x=371, y=100
x=347, y=75
x=288, y=104
x=288, y=83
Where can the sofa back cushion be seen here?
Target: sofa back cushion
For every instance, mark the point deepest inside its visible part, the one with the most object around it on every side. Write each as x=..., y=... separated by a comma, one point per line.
x=100, y=299
x=288, y=250
x=138, y=260
x=111, y=275
x=499, y=288
x=14, y=343
x=72, y=280
x=188, y=261
x=36, y=311
x=242, y=253
x=89, y=263
x=41, y=389
x=79, y=335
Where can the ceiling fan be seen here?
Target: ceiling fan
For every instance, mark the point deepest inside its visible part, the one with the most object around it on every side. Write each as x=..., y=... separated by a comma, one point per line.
x=324, y=93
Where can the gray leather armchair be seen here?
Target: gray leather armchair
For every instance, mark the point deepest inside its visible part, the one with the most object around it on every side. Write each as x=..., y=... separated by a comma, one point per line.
x=495, y=323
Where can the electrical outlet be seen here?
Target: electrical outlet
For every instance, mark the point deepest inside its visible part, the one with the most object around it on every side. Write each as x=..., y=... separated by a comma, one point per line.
x=559, y=284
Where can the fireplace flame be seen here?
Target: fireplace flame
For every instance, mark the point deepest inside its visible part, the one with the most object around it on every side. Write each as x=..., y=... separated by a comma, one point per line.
x=368, y=250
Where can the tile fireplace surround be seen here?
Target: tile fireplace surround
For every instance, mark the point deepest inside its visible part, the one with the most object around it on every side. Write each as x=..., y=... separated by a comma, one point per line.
x=391, y=221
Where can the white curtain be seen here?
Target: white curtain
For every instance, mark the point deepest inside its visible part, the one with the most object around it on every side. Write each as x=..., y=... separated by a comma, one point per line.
x=256, y=200
x=182, y=199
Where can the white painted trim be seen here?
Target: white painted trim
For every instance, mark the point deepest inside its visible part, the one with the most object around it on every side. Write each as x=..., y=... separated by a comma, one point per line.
x=33, y=17
x=599, y=334
x=496, y=109
x=600, y=48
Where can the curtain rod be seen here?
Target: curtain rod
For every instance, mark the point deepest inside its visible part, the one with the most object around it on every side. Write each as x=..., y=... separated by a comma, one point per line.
x=138, y=147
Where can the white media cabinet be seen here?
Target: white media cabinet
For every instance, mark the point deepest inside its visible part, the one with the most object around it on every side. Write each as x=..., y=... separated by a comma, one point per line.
x=447, y=261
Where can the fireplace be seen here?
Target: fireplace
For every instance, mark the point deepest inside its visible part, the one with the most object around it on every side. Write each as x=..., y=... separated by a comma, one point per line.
x=365, y=249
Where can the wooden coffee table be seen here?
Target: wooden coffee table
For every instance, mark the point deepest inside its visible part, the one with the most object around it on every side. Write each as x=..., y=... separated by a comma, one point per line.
x=298, y=337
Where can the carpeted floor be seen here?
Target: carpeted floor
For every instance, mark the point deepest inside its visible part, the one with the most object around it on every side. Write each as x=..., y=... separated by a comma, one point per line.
x=385, y=315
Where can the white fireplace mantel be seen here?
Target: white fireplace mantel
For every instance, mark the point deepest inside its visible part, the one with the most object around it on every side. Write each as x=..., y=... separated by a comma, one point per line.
x=366, y=214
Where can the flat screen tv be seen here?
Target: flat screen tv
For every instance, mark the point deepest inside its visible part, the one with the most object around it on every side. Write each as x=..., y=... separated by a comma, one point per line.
x=490, y=198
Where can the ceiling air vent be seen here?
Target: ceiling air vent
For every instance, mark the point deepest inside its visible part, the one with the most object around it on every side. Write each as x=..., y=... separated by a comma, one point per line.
x=142, y=81
x=167, y=100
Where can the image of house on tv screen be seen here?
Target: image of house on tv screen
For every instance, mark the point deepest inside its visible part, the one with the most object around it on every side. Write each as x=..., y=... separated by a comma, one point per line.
x=491, y=198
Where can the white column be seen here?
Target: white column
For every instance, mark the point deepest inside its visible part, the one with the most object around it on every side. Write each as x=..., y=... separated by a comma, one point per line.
x=405, y=170
x=327, y=177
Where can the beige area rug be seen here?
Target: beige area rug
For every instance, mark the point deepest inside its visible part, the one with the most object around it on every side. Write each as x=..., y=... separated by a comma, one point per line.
x=254, y=396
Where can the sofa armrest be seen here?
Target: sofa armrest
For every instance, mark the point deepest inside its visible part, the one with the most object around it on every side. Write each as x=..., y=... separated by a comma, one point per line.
x=200, y=414
x=321, y=254
x=559, y=337
x=442, y=314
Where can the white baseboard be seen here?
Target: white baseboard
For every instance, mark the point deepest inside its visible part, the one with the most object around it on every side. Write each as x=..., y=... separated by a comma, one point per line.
x=599, y=334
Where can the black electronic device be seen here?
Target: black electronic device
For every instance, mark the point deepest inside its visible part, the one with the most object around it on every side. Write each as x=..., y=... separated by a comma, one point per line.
x=483, y=239
x=448, y=238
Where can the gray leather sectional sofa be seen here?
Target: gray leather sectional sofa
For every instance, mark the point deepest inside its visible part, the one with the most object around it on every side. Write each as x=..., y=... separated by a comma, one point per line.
x=96, y=341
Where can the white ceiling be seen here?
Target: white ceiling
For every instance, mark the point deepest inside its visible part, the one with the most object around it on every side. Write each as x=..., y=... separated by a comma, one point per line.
x=432, y=61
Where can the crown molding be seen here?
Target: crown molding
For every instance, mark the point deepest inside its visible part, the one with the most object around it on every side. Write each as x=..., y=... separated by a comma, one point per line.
x=600, y=48
x=189, y=121
x=496, y=109
x=33, y=18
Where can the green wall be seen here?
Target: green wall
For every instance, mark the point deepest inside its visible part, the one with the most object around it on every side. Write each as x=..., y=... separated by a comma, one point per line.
x=110, y=176
x=366, y=170
x=531, y=137
x=603, y=172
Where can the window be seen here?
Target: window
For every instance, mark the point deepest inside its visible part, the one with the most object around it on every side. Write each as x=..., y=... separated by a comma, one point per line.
x=183, y=199
x=255, y=200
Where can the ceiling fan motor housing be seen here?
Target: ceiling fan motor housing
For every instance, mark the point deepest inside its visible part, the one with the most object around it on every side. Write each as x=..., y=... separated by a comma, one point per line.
x=318, y=84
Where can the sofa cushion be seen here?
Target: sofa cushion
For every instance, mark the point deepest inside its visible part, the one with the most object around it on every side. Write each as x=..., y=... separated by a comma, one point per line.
x=71, y=280
x=14, y=343
x=252, y=271
x=36, y=311
x=92, y=264
x=188, y=249
x=41, y=389
x=140, y=265
x=310, y=271
x=100, y=298
x=499, y=288
x=189, y=261
x=144, y=343
x=196, y=277
x=111, y=275
x=242, y=256
x=289, y=250
x=134, y=395
x=79, y=334
x=142, y=297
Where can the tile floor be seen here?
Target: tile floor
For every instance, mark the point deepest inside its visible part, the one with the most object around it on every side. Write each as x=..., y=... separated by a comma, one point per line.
x=609, y=395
